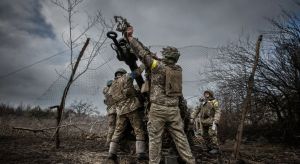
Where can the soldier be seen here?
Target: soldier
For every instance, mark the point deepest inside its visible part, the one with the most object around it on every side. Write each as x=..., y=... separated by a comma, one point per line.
x=111, y=112
x=165, y=90
x=209, y=117
x=124, y=96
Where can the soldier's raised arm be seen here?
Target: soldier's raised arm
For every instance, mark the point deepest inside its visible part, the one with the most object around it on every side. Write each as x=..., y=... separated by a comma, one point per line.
x=130, y=77
x=137, y=72
x=143, y=54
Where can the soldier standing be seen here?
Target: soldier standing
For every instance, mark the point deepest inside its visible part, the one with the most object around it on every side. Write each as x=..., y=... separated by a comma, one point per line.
x=165, y=90
x=209, y=116
x=111, y=112
x=124, y=96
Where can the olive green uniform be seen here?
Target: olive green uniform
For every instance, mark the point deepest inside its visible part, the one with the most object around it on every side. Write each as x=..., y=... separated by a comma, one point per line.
x=209, y=113
x=164, y=111
x=126, y=101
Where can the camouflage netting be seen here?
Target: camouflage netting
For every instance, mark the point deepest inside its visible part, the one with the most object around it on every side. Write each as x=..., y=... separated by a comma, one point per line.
x=193, y=59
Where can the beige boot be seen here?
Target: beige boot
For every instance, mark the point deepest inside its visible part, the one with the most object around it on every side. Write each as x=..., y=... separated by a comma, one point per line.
x=112, y=153
x=141, y=150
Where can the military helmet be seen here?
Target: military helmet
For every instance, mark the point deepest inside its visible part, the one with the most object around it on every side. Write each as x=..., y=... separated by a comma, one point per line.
x=120, y=70
x=171, y=53
x=108, y=83
x=210, y=92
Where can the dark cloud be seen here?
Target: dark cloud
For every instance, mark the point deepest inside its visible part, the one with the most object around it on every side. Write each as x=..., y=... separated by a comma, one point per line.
x=25, y=38
x=210, y=23
x=25, y=16
x=31, y=30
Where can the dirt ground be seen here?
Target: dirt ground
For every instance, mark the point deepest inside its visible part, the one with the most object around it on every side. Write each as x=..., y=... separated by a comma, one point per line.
x=18, y=146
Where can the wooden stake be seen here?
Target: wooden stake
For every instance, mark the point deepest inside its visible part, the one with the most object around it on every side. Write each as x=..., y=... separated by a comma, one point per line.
x=247, y=102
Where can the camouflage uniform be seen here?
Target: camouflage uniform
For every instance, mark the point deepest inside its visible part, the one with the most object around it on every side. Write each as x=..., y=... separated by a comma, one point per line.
x=111, y=114
x=209, y=113
x=126, y=101
x=164, y=111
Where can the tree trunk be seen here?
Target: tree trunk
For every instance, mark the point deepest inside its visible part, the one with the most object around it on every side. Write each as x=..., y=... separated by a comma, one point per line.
x=247, y=102
x=66, y=90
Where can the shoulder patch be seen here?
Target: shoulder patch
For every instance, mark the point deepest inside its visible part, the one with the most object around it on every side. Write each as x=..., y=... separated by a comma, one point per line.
x=215, y=102
x=154, y=64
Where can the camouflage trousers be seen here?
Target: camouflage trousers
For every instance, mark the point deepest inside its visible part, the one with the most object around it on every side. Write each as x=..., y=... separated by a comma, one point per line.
x=135, y=120
x=210, y=137
x=111, y=126
x=161, y=117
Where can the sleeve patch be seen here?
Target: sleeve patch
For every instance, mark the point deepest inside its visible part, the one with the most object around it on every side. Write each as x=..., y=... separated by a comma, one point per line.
x=215, y=103
x=154, y=64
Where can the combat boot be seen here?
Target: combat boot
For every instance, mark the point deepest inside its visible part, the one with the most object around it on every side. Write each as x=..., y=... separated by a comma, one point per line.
x=140, y=150
x=112, y=153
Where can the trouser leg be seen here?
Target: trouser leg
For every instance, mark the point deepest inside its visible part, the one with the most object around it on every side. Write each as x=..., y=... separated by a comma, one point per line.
x=213, y=138
x=111, y=127
x=176, y=129
x=137, y=125
x=120, y=127
x=155, y=128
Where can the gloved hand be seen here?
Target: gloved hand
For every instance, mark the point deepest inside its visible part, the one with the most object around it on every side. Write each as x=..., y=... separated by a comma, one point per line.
x=129, y=32
x=214, y=125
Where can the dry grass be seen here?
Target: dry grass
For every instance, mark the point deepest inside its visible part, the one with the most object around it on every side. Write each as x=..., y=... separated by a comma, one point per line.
x=19, y=146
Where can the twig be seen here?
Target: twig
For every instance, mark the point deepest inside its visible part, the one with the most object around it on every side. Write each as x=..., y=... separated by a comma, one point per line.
x=45, y=129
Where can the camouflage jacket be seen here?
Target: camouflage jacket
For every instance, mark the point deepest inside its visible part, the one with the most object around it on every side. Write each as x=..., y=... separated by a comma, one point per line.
x=123, y=94
x=209, y=112
x=111, y=108
x=158, y=75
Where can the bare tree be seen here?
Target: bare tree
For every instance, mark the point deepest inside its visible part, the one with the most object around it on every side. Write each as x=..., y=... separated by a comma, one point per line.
x=83, y=108
x=230, y=70
x=276, y=93
x=279, y=73
x=70, y=7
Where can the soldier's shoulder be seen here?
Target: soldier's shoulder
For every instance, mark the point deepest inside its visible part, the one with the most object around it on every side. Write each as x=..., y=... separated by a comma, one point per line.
x=215, y=102
x=178, y=67
x=105, y=89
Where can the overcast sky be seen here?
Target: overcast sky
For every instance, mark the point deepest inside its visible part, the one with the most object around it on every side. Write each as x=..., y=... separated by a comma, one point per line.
x=31, y=30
